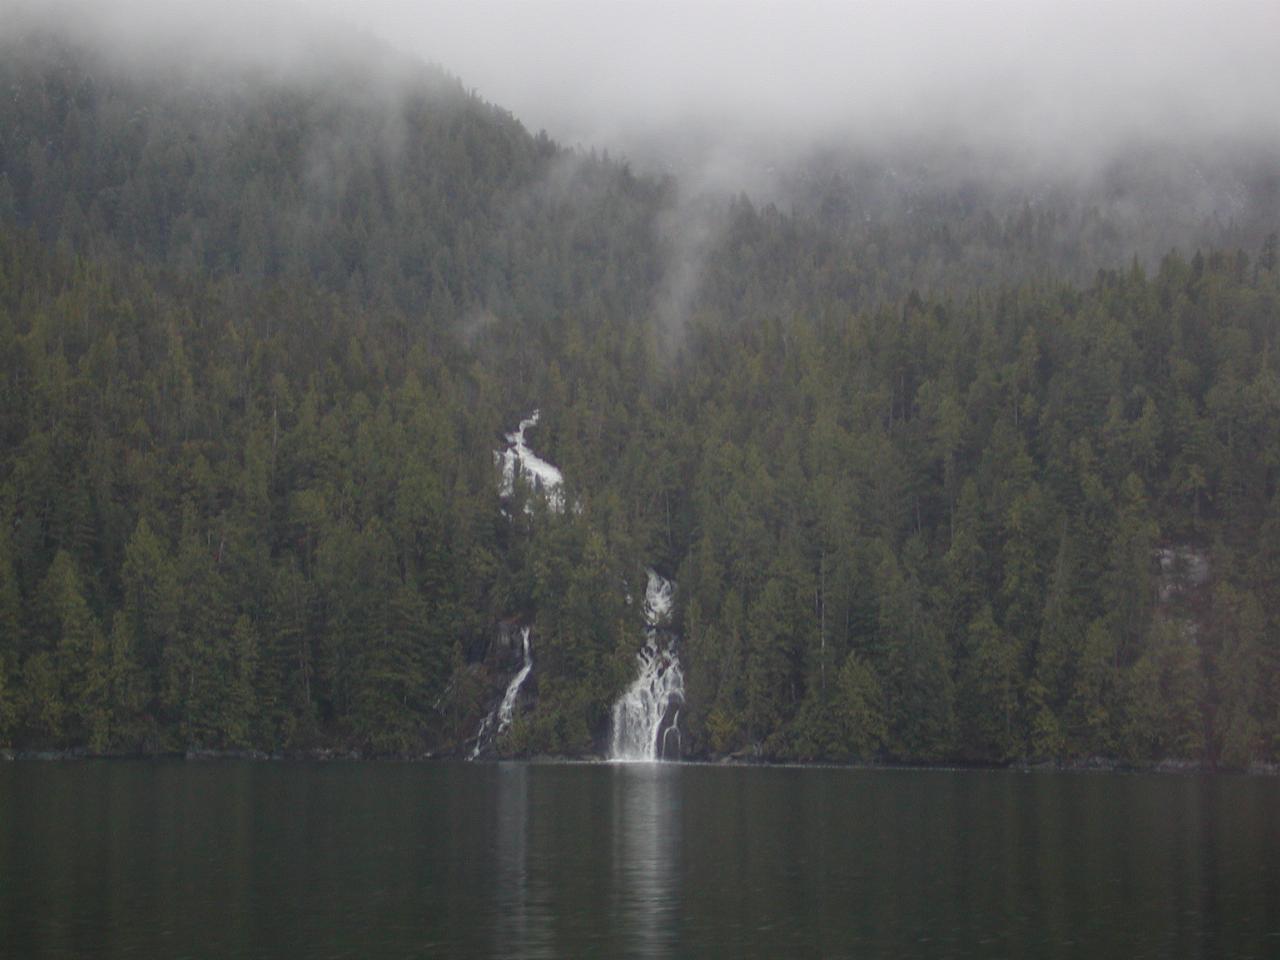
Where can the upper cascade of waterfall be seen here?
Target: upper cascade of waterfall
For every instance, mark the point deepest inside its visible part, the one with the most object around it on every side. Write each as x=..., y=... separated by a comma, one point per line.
x=517, y=458
x=659, y=598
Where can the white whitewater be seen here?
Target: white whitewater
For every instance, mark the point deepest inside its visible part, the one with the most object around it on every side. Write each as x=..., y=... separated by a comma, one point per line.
x=497, y=721
x=507, y=709
x=642, y=729
x=518, y=460
x=659, y=597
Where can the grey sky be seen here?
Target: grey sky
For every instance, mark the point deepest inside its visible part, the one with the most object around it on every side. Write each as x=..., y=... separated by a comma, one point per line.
x=1058, y=81
x=1062, y=75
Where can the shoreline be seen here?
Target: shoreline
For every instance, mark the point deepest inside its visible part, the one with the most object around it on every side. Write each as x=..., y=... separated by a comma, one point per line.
x=332, y=755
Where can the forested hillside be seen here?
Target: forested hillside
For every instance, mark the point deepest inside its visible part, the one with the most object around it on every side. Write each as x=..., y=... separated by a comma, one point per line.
x=932, y=488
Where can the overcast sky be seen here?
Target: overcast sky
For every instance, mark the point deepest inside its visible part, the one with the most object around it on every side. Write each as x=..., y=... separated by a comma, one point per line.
x=1057, y=79
x=601, y=71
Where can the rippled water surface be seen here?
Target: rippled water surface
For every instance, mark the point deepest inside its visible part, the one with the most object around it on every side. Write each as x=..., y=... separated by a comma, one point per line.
x=125, y=859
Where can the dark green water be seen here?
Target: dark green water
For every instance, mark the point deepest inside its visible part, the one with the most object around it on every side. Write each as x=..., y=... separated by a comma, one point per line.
x=123, y=859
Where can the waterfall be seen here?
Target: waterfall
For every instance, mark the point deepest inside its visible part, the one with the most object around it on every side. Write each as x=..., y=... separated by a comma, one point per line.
x=659, y=595
x=498, y=720
x=519, y=459
x=506, y=709
x=647, y=715
x=641, y=713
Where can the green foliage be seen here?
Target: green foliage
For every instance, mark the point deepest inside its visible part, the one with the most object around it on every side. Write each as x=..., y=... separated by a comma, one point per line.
x=1165, y=690
x=914, y=664
x=80, y=662
x=1238, y=619
x=860, y=709
x=991, y=687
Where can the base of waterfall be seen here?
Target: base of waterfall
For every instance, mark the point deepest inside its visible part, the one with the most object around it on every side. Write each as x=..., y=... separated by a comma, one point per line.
x=646, y=718
x=499, y=719
x=645, y=724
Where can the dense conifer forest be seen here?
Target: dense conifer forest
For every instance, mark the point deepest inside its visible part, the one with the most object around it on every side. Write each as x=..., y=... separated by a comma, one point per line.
x=971, y=479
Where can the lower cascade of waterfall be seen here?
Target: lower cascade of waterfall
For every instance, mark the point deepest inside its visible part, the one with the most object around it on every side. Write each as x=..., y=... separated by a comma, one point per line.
x=646, y=718
x=499, y=719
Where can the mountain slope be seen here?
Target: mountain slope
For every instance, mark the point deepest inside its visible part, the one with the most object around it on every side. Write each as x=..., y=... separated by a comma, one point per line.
x=263, y=329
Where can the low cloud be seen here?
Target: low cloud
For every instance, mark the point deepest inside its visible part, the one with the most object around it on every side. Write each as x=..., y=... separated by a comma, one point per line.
x=1066, y=81
x=721, y=92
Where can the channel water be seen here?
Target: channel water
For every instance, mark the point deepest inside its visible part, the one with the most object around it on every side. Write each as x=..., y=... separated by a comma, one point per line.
x=282, y=859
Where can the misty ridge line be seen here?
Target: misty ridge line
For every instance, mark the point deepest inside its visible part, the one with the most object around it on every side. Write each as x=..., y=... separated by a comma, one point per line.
x=1054, y=88
x=1156, y=187
x=1063, y=83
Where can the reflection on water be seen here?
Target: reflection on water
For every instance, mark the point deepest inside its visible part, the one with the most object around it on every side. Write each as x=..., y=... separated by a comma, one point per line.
x=531, y=861
x=646, y=856
x=519, y=927
x=606, y=861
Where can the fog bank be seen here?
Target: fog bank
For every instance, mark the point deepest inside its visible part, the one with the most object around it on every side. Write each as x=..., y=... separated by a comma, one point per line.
x=1044, y=80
